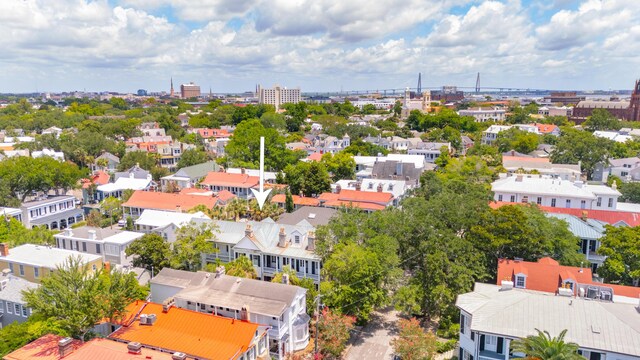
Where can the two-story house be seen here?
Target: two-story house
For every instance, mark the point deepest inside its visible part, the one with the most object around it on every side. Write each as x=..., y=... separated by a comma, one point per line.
x=110, y=244
x=53, y=212
x=430, y=150
x=490, y=135
x=117, y=188
x=589, y=231
x=112, y=162
x=180, y=202
x=626, y=169
x=165, y=223
x=270, y=246
x=13, y=308
x=33, y=262
x=554, y=192
x=492, y=316
x=171, y=153
x=189, y=176
x=543, y=166
x=282, y=307
x=331, y=144
x=238, y=184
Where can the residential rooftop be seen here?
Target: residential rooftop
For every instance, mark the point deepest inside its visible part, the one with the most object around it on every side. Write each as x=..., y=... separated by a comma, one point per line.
x=165, y=201
x=313, y=216
x=158, y=218
x=44, y=256
x=11, y=287
x=516, y=313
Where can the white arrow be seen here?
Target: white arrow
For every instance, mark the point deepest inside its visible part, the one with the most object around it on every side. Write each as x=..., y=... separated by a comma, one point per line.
x=260, y=194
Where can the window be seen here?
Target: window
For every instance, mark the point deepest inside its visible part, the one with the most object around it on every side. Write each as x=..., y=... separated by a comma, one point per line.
x=21, y=270
x=599, y=203
x=36, y=272
x=1, y=307
x=490, y=340
x=499, y=197
x=113, y=250
x=84, y=246
x=592, y=245
x=297, y=239
x=9, y=307
x=24, y=311
x=568, y=203
x=525, y=199
x=583, y=204
x=520, y=281
x=98, y=249
x=93, y=267
x=64, y=244
x=513, y=198
x=553, y=202
x=539, y=200
x=462, y=323
x=610, y=202
x=11, y=268
x=17, y=309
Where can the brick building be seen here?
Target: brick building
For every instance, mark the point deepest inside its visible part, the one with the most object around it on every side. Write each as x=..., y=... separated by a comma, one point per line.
x=628, y=110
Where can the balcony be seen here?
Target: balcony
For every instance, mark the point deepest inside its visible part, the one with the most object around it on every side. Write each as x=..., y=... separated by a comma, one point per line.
x=491, y=355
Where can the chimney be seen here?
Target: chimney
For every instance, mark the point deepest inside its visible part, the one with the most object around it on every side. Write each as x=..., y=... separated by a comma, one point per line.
x=338, y=189
x=248, y=232
x=282, y=238
x=4, y=249
x=380, y=187
x=107, y=266
x=167, y=304
x=178, y=208
x=220, y=270
x=614, y=186
x=134, y=347
x=92, y=234
x=584, y=215
x=244, y=313
x=285, y=279
x=65, y=347
x=68, y=232
x=519, y=177
x=243, y=171
x=358, y=186
x=311, y=241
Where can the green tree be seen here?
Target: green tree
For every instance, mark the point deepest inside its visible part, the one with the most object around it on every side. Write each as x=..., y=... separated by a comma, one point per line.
x=544, y=347
x=601, y=119
x=413, y=343
x=305, y=283
x=516, y=139
x=78, y=297
x=575, y=146
x=359, y=147
x=341, y=166
x=150, y=251
x=333, y=333
x=16, y=335
x=241, y=267
x=22, y=176
x=526, y=232
x=289, y=205
x=308, y=178
x=14, y=233
x=630, y=192
x=621, y=245
x=143, y=159
x=192, y=157
x=193, y=240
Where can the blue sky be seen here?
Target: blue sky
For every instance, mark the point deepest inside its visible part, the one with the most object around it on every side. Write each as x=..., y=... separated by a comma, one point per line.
x=318, y=45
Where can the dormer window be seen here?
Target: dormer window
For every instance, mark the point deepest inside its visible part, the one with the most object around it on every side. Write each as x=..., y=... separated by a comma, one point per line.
x=296, y=239
x=521, y=281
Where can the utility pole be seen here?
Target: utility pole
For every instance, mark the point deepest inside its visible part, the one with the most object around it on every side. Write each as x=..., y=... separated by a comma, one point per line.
x=317, y=301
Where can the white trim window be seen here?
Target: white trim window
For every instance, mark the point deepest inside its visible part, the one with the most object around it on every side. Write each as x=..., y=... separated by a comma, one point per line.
x=521, y=281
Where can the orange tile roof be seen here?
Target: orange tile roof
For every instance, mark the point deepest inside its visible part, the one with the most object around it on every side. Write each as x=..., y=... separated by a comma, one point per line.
x=165, y=201
x=46, y=348
x=225, y=196
x=547, y=275
x=99, y=178
x=354, y=204
x=609, y=216
x=546, y=128
x=216, y=178
x=193, y=333
x=214, y=133
x=297, y=200
x=314, y=157
x=382, y=198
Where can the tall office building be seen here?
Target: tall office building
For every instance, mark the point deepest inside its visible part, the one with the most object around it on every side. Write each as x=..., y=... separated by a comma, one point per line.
x=277, y=96
x=189, y=90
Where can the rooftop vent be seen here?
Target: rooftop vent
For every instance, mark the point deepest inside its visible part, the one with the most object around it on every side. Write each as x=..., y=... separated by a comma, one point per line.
x=565, y=292
x=134, y=347
x=312, y=216
x=65, y=347
x=178, y=356
x=506, y=285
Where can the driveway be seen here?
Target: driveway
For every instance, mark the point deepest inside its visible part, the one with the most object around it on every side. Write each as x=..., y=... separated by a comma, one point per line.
x=373, y=341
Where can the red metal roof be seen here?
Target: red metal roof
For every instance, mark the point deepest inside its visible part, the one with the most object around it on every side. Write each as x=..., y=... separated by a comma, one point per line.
x=382, y=198
x=297, y=200
x=165, y=201
x=609, y=216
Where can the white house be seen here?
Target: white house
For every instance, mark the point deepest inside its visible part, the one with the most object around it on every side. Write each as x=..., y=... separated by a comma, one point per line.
x=54, y=212
x=430, y=150
x=491, y=317
x=108, y=243
x=116, y=188
x=554, y=192
x=491, y=134
x=613, y=135
x=166, y=223
x=282, y=307
x=484, y=115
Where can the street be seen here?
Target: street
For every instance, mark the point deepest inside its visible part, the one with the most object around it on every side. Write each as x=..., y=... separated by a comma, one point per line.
x=373, y=341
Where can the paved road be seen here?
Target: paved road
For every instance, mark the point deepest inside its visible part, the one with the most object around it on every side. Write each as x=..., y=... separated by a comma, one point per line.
x=373, y=341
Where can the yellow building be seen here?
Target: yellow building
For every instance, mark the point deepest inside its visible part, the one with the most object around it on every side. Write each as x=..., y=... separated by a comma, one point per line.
x=33, y=262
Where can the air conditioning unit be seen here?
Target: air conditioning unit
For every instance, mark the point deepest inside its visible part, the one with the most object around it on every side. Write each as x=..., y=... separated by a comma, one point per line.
x=134, y=347
x=606, y=295
x=144, y=319
x=151, y=319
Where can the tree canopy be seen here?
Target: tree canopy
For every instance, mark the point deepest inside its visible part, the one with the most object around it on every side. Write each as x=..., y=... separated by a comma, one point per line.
x=621, y=245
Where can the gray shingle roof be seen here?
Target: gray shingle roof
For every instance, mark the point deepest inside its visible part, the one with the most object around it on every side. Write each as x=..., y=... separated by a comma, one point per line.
x=13, y=287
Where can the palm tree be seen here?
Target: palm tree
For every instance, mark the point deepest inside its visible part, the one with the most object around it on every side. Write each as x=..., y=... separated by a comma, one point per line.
x=545, y=347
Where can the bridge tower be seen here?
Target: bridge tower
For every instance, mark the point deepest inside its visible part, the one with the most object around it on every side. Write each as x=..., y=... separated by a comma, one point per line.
x=478, y=83
x=419, y=88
